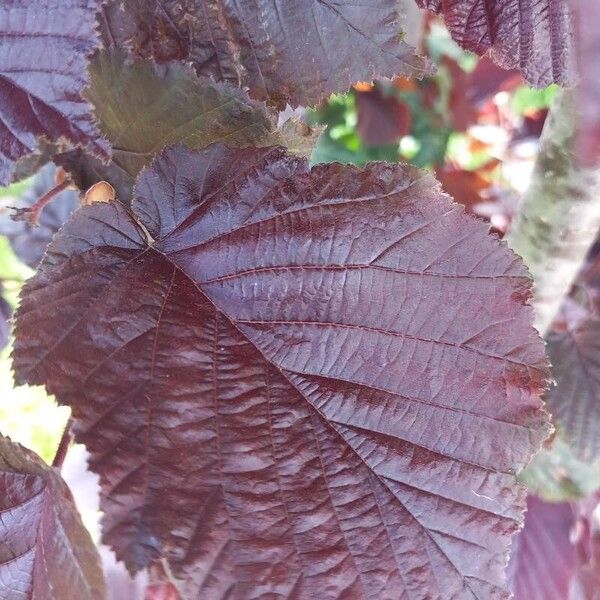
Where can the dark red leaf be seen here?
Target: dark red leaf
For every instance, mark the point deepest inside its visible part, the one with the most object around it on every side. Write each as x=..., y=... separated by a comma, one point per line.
x=574, y=350
x=29, y=242
x=487, y=79
x=299, y=383
x=534, y=36
x=117, y=27
x=543, y=560
x=45, y=551
x=382, y=117
x=464, y=186
x=86, y=170
x=463, y=111
x=470, y=91
x=43, y=51
x=283, y=51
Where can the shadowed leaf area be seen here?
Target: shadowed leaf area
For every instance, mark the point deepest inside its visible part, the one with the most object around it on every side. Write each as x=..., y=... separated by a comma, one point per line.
x=257, y=361
x=46, y=552
x=43, y=54
x=534, y=36
x=283, y=51
x=382, y=118
x=142, y=107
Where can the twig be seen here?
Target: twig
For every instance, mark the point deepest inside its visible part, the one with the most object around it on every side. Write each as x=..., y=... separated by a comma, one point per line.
x=63, y=445
x=31, y=214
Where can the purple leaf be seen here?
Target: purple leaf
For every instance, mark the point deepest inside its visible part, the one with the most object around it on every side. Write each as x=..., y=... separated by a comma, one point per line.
x=574, y=350
x=534, y=36
x=299, y=381
x=543, y=560
x=46, y=552
x=557, y=554
x=43, y=50
x=283, y=51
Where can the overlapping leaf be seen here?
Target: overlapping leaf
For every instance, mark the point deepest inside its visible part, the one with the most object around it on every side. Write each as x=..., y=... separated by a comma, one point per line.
x=543, y=560
x=85, y=171
x=29, y=243
x=284, y=51
x=43, y=50
x=45, y=551
x=142, y=107
x=557, y=554
x=534, y=36
x=269, y=390
x=382, y=117
x=575, y=400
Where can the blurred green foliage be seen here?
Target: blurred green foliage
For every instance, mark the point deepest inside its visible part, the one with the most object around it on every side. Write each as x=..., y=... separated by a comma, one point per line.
x=557, y=475
x=424, y=147
x=27, y=414
x=432, y=140
x=526, y=99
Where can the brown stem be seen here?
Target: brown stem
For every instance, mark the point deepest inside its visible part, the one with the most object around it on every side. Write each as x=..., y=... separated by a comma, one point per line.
x=63, y=445
x=32, y=214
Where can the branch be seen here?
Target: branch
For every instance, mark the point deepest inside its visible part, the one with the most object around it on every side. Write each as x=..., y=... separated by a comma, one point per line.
x=32, y=214
x=559, y=215
x=63, y=446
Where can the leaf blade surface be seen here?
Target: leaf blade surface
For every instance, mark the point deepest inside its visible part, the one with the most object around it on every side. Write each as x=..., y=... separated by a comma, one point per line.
x=282, y=384
x=46, y=552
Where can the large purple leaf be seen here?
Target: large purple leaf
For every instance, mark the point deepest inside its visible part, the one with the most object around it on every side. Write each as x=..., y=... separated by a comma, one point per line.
x=284, y=51
x=45, y=551
x=28, y=242
x=298, y=384
x=43, y=49
x=534, y=36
